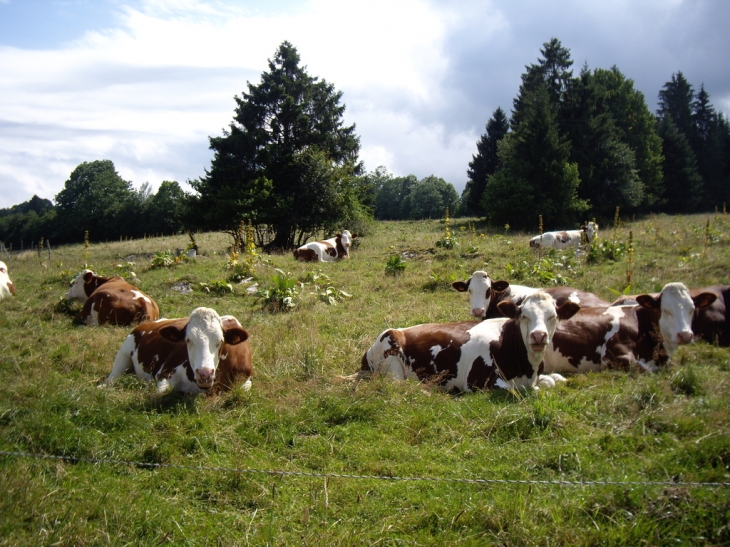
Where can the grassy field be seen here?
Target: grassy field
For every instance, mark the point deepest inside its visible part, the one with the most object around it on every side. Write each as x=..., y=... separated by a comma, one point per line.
x=608, y=435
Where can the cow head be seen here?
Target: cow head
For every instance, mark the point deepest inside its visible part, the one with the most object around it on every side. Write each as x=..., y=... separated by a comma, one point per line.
x=77, y=289
x=204, y=336
x=481, y=290
x=538, y=318
x=675, y=307
x=3, y=268
x=591, y=230
x=346, y=241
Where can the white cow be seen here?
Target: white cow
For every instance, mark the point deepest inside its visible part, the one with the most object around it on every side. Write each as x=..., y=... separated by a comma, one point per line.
x=7, y=288
x=566, y=238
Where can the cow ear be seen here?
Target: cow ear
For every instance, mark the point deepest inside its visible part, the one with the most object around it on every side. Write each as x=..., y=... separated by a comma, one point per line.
x=508, y=309
x=235, y=335
x=88, y=276
x=172, y=334
x=500, y=286
x=568, y=310
x=460, y=286
x=648, y=301
x=704, y=299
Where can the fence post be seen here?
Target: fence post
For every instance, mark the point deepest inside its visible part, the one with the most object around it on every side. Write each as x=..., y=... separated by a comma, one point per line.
x=48, y=244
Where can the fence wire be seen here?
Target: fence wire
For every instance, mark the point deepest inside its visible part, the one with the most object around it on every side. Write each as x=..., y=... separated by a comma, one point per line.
x=309, y=474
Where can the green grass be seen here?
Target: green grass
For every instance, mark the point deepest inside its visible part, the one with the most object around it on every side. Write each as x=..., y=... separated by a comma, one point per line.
x=673, y=426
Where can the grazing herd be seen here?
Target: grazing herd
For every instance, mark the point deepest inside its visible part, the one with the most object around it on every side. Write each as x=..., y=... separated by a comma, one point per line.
x=522, y=337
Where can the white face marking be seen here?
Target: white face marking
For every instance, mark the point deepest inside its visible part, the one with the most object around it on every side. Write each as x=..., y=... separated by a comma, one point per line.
x=675, y=322
x=479, y=293
x=76, y=291
x=136, y=295
x=204, y=337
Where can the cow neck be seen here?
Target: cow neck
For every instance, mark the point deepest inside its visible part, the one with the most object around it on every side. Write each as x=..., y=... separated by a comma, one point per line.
x=650, y=342
x=341, y=253
x=514, y=346
x=495, y=297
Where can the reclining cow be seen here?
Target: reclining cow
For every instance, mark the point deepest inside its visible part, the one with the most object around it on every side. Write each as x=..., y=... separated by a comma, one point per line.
x=566, y=238
x=485, y=294
x=7, y=288
x=328, y=250
x=201, y=353
x=505, y=353
x=111, y=300
x=643, y=336
x=709, y=323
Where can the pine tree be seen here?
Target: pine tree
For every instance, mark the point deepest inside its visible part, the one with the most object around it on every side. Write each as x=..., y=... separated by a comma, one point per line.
x=484, y=163
x=287, y=145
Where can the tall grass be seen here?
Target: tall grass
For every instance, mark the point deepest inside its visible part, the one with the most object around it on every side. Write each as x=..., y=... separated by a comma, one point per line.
x=668, y=427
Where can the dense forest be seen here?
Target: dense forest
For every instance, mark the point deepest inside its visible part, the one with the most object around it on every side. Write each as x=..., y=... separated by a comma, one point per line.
x=575, y=147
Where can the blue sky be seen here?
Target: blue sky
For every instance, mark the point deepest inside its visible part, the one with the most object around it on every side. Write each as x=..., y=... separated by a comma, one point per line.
x=144, y=83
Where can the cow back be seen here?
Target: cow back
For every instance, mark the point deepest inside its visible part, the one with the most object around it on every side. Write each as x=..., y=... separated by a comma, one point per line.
x=117, y=302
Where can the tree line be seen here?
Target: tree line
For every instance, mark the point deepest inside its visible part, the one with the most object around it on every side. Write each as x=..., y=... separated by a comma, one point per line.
x=575, y=147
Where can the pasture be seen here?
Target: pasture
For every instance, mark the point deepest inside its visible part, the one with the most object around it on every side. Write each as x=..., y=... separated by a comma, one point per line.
x=608, y=458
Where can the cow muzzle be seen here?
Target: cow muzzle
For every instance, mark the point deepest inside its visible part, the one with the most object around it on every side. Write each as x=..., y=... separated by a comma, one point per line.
x=204, y=378
x=684, y=337
x=478, y=312
x=538, y=340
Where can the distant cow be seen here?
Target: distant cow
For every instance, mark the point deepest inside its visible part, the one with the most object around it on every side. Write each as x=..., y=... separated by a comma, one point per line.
x=710, y=323
x=643, y=336
x=201, y=353
x=566, y=238
x=328, y=250
x=505, y=353
x=7, y=288
x=485, y=294
x=111, y=300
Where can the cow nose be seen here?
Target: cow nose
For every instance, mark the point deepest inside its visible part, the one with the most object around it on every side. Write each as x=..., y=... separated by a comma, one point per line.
x=477, y=312
x=205, y=375
x=538, y=337
x=684, y=337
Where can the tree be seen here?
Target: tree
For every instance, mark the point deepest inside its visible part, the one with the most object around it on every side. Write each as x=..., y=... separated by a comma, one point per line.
x=682, y=182
x=675, y=101
x=287, y=139
x=535, y=175
x=429, y=198
x=710, y=137
x=163, y=211
x=484, y=163
x=97, y=199
x=391, y=197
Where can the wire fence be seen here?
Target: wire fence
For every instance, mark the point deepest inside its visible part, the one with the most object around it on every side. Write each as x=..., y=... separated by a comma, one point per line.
x=309, y=474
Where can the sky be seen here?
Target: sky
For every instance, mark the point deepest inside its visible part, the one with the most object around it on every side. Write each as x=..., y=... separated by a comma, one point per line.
x=145, y=83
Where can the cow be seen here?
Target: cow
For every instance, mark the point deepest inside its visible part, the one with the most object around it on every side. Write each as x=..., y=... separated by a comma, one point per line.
x=111, y=300
x=643, y=336
x=485, y=294
x=203, y=353
x=7, y=288
x=710, y=323
x=328, y=250
x=505, y=353
x=566, y=238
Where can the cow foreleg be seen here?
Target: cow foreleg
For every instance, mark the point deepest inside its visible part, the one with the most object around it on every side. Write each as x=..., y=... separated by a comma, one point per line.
x=123, y=361
x=550, y=380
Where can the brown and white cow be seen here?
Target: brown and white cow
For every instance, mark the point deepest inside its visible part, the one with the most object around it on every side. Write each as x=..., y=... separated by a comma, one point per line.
x=643, y=336
x=201, y=353
x=505, y=352
x=7, y=288
x=111, y=300
x=328, y=250
x=566, y=238
x=485, y=294
x=709, y=323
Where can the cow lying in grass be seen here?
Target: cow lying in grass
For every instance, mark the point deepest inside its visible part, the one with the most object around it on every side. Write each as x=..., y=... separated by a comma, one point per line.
x=566, y=238
x=485, y=294
x=111, y=300
x=643, y=336
x=201, y=353
x=328, y=250
x=709, y=323
x=505, y=353
x=7, y=288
